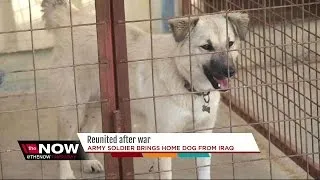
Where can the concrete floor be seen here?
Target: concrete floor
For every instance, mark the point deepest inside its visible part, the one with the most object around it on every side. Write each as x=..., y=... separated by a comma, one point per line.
x=14, y=126
x=23, y=125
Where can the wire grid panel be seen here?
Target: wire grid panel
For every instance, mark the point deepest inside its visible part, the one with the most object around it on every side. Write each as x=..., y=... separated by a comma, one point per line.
x=277, y=87
x=146, y=55
x=47, y=89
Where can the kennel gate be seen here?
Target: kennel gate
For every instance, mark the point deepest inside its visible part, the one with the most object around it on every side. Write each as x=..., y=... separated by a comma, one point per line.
x=260, y=88
x=113, y=52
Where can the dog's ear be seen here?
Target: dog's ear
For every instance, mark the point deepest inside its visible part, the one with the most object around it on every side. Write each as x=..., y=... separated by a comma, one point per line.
x=240, y=23
x=180, y=27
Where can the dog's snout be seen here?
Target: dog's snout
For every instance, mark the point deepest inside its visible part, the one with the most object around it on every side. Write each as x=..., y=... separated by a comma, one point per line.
x=222, y=65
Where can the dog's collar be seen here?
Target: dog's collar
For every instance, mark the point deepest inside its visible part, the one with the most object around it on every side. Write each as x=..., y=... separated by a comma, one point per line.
x=205, y=95
x=187, y=85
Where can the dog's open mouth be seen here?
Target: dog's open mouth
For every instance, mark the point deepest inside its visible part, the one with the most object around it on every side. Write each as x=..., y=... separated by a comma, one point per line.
x=217, y=81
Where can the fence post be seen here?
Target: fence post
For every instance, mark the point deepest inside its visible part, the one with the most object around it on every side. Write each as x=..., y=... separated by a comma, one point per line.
x=107, y=78
x=122, y=79
x=114, y=80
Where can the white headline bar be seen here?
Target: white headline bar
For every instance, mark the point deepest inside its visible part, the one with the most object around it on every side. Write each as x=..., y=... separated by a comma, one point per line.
x=169, y=142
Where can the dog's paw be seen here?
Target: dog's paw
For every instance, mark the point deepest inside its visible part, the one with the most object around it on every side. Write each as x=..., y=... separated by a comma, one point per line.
x=92, y=166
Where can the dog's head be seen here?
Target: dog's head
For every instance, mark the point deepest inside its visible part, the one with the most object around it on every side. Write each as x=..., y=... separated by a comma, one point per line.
x=211, y=37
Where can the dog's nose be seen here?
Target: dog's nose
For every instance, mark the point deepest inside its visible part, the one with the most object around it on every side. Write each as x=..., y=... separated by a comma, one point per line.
x=222, y=65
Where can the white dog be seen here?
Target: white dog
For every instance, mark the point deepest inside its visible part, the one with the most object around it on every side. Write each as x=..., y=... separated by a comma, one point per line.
x=204, y=74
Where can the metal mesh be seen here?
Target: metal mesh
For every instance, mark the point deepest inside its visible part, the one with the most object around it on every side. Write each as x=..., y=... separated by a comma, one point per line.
x=277, y=88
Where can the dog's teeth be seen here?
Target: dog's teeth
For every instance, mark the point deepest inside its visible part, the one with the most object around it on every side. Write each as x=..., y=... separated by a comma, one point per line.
x=219, y=85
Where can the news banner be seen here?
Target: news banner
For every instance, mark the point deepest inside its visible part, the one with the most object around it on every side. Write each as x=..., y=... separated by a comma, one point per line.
x=147, y=145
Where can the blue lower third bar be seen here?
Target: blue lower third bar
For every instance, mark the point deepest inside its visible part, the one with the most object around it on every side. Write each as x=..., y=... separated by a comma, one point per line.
x=193, y=155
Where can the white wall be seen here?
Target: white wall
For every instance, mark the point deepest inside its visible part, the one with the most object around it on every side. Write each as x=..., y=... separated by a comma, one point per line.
x=15, y=15
x=139, y=10
x=7, y=23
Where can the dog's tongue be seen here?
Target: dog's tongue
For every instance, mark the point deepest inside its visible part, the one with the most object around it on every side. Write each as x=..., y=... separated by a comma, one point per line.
x=223, y=84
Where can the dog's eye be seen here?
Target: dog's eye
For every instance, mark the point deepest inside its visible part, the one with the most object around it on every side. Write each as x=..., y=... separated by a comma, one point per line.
x=207, y=47
x=230, y=43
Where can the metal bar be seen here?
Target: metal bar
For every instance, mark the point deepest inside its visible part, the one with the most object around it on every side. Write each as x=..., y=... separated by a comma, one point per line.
x=304, y=103
x=310, y=95
x=229, y=103
x=122, y=80
x=157, y=19
x=74, y=74
x=294, y=77
x=152, y=75
x=164, y=58
x=52, y=107
x=48, y=28
x=244, y=86
x=276, y=74
x=317, y=96
x=35, y=81
x=266, y=87
x=107, y=78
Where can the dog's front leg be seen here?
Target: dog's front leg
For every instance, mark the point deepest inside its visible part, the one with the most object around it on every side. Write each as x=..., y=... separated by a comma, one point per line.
x=203, y=167
x=89, y=124
x=165, y=165
x=66, y=170
x=203, y=163
x=67, y=128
